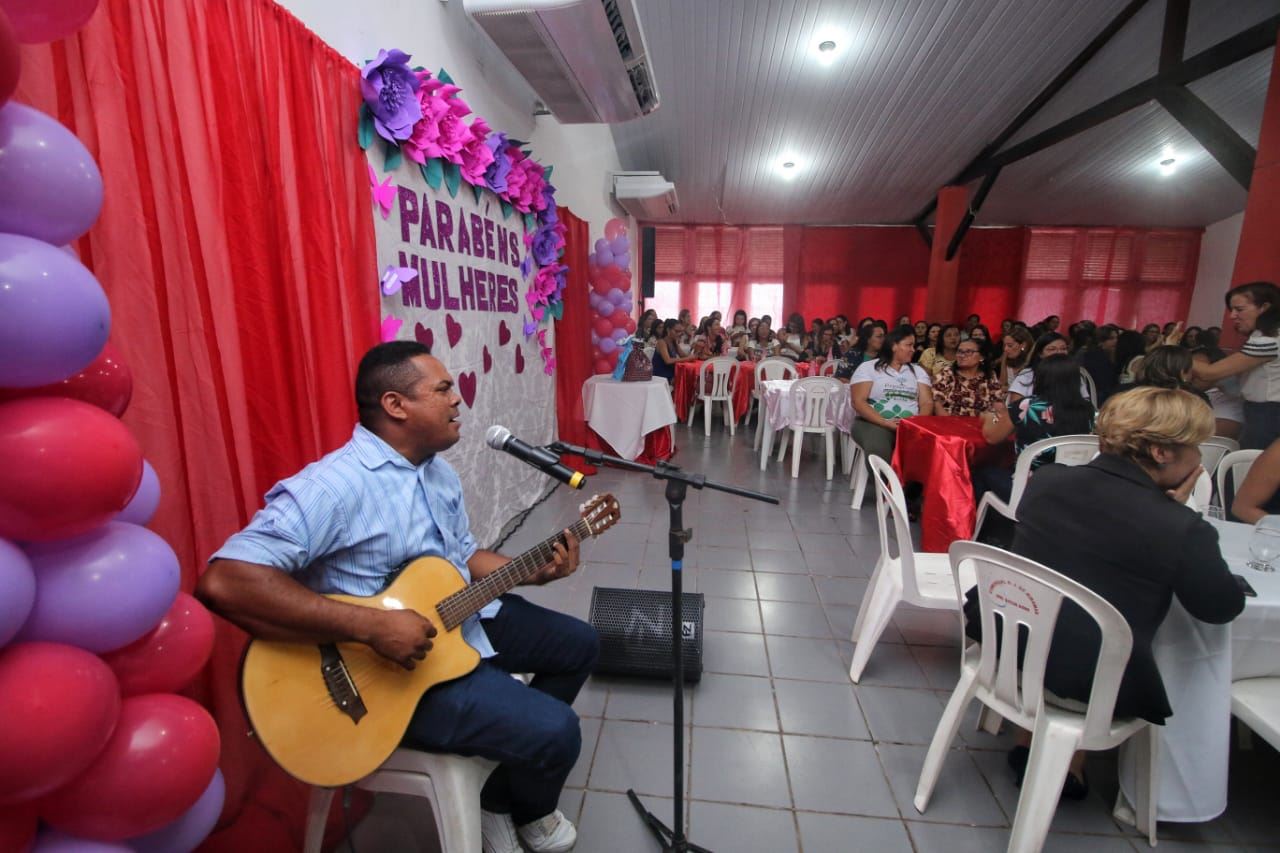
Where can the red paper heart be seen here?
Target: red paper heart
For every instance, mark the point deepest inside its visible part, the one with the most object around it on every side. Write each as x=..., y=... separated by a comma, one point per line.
x=467, y=387
x=423, y=334
x=452, y=329
x=488, y=360
x=504, y=334
x=519, y=359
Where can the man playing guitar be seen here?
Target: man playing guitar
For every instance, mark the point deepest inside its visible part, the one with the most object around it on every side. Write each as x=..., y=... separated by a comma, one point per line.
x=344, y=523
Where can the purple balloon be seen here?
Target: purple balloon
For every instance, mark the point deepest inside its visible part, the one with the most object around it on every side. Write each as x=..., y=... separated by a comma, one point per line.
x=102, y=590
x=593, y=298
x=52, y=187
x=616, y=296
x=623, y=260
x=620, y=335
x=602, y=245
x=186, y=833
x=54, y=318
x=142, y=506
x=604, y=258
x=17, y=590
x=53, y=841
x=605, y=308
x=607, y=345
x=619, y=245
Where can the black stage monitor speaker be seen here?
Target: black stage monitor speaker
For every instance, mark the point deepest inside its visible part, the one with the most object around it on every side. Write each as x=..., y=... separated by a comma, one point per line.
x=648, y=250
x=635, y=632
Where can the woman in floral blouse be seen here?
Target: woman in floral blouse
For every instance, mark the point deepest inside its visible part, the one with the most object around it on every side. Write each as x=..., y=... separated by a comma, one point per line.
x=968, y=387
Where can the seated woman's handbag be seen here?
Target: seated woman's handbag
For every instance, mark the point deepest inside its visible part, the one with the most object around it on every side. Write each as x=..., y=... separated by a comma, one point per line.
x=633, y=365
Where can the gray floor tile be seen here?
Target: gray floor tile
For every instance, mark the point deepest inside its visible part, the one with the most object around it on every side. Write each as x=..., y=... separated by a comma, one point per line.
x=590, y=736
x=633, y=755
x=659, y=577
x=973, y=737
x=727, y=584
x=815, y=708
x=832, y=544
x=840, y=617
x=897, y=715
x=892, y=665
x=859, y=566
x=731, y=614
x=607, y=549
x=813, y=523
x=736, y=702
x=829, y=833
x=840, y=590
x=773, y=540
x=789, y=562
x=718, y=826
x=940, y=665
x=738, y=767
x=946, y=838
x=610, y=824
x=961, y=795
x=741, y=654
x=841, y=776
x=643, y=700
x=737, y=558
x=793, y=619
x=786, y=587
x=806, y=659
x=591, y=698
x=1092, y=815
x=928, y=627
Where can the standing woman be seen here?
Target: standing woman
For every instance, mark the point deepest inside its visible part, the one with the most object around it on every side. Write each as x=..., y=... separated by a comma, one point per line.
x=793, y=340
x=943, y=354
x=968, y=387
x=886, y=391
x=1015, y=354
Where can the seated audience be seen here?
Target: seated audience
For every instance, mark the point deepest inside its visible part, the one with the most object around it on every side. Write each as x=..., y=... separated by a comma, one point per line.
x=1228, y=405
x=762, y=345
x=942, y=354
x=886, y=391
x=666, y=353
x=1151, y=337
x=929, y=341
x=1097, y=357
x=1259, y=494
x=981, y=334
x=866, y=347
x=793, y=340
x=1048, y=344
x=968, y=387
x=1016, y=348
x=1167, y=366
x=739, y=322
x=710, y=339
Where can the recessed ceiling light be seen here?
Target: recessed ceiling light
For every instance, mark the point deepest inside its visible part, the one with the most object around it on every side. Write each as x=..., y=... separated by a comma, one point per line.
x=791, y=164
x=1168, y=162
x=788, y=165
x=827, y=45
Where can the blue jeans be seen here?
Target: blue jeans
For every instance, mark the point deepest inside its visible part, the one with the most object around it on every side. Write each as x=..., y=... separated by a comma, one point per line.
x=531, y=731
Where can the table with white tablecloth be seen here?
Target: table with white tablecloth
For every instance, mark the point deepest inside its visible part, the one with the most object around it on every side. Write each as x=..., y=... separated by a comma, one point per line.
x=782, y=410
x=623, y=413
x=1198, y=662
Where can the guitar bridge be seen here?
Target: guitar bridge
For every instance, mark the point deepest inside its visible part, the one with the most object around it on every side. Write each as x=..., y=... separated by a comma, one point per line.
x=333, y=669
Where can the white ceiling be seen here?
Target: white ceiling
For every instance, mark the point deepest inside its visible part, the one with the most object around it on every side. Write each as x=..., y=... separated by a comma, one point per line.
x=921, y=88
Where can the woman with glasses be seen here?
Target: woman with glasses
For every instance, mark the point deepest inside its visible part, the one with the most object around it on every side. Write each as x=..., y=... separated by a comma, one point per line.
x=968, y=387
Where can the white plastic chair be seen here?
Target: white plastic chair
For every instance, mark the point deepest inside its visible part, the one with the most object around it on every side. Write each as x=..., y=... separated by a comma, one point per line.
x=912, y=576
x=1256, y=703
x=1069, y=450
x=1212, y=451
x=1091, y=390
x=1201, y=494
x=855, y=459
x=1236, y=464
x=1027, y=594
x=812, y=397
x=721, y=391
x=829, y=367
x=768, y=368
x=451, y=783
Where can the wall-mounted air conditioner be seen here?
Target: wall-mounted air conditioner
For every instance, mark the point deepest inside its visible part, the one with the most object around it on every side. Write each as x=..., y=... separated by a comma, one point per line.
x=586, y=59
x=645, y=195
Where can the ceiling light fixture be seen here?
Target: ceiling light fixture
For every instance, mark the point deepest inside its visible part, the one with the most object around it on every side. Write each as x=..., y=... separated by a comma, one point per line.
x=827, y=45
x=788, y=166
x=1168, y=166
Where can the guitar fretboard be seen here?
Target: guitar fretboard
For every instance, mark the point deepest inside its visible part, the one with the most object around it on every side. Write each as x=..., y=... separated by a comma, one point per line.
x=457, y=607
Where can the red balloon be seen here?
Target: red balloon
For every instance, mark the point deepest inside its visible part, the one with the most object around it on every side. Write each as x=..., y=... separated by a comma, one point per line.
x=60, y=705
x=157, y=763
x=166, y=659
x=603, y=326
x=106, y=383
x=603, y=366
x=49, y=20
x=10, y=64
x=18, y=827
x=66, y=467
x=600, y=284
x=630, y=325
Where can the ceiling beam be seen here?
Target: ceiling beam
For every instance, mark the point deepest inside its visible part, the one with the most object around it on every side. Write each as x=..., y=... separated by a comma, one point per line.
x=1046, y=94
x=1220, y=139
x=974, y=206
x=1228, y=52
x=1175, y=33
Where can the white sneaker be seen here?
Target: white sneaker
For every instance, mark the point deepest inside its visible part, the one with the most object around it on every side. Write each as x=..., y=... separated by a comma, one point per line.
x=553, y=833
x=498, y=833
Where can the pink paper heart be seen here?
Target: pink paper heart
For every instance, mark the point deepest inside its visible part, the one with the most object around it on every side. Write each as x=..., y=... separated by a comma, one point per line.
x=467, y=387
x=453, y=330
x=504, y=334
x=488, y=360
x=423, y=335
x=390, y=328
x=519, y=359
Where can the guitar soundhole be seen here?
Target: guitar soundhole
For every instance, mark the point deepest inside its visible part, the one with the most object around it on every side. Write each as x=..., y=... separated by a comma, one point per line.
x=338, y=681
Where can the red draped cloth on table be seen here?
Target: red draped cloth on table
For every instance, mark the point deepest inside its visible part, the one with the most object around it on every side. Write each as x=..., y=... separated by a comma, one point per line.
x=236, y=246
x=685, y=384
x=573, y=341
x=939, y=452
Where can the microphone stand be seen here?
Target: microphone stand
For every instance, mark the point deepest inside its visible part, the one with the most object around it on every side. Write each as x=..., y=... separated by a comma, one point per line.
x=672, y=839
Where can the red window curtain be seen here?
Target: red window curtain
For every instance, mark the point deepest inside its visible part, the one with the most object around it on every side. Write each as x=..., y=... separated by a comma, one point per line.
x=236, y=246
x=858, y=271
x=573, y=339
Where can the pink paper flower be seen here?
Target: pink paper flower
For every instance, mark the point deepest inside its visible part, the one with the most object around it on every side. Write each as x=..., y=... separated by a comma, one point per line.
x=476, y=155
x=441, y=131
x=525, y=182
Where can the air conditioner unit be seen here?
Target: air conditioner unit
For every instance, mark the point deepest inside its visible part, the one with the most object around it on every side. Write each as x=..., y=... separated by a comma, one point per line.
x=645, y=195
x=586, y=59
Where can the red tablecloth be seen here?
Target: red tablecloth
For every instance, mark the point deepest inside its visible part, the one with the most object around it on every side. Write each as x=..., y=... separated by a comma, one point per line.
x=939, y=452
x=686, y=381
x=657, y=446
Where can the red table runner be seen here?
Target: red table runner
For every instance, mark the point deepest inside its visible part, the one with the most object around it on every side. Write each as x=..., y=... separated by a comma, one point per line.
x=744, y=380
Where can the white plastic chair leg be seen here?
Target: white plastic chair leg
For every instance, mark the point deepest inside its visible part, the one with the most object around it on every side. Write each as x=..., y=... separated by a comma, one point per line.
x=878, y=605
x=1051, y=751
x=317, y=817
x=1147, y=785
x=943, y=737
x=797, y=442
x=783, y=434
x=729, y=418
x=858, y=477
x=707, y=407
x=831, y=452
x=989, y=721
x=755, y=444
x=693, y=410
x=847, y=452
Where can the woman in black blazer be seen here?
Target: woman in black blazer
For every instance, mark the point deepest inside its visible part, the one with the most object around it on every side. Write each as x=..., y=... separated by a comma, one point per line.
x=1118, y=525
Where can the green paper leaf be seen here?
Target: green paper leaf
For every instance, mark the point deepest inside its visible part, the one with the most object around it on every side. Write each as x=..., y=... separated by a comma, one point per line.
x=557, y=311
x=433, y=172
x=546, y=173
x=519, y=143
x=477, y=192
x=418, y=68
x=365, y=129
x=530, y=222
x=506, y=210
x=444, y=77
x=452, y=178
x=394, y=157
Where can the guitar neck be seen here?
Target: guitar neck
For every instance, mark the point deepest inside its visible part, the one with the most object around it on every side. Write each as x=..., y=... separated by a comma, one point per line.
x=455, y=609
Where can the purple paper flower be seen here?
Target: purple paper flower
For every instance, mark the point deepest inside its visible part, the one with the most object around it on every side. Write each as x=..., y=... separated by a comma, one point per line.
x=545, y=243
x=547, y=213
x=496, y=175
x=389, y=88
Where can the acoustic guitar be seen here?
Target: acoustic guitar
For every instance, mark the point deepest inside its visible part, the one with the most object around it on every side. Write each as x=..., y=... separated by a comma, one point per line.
x=332, y=714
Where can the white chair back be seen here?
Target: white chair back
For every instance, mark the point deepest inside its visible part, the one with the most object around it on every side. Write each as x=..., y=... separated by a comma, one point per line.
x=1201, y=494
x=891, y=510
x=1091, y=390
x=1024, y=593
x=1213, y=449
x=1237, y=465
x=719, y=386
x=811, y=397
x=1068, y=449
x=773, y=368
x=829, y=367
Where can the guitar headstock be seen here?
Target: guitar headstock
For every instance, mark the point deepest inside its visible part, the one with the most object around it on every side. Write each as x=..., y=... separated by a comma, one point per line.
x=600, y=513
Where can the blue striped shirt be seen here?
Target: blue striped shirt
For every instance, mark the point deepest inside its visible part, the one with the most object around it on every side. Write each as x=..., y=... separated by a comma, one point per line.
x=347, y=522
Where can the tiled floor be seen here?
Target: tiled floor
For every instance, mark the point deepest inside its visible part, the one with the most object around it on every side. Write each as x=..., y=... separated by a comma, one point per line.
x=783, y=752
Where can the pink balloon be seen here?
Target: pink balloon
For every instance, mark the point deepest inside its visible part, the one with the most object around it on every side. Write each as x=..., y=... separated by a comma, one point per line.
x=613, y=228
x=170, y=655
x=47, y=20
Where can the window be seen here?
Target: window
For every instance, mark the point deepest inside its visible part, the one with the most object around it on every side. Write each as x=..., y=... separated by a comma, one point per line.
x=713, y=296
x=766, y=298
x=665, y=299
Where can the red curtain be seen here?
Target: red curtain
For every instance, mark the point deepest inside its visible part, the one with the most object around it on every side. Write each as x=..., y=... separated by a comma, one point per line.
x=573, y=339
x=236, y=246
x=990, y=275
x=858, y=271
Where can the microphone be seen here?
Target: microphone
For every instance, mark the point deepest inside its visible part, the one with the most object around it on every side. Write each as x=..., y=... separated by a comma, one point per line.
x=500, y=438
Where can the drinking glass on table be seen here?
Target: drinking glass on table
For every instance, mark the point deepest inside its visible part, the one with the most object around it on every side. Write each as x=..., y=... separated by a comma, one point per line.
x=1264, y=545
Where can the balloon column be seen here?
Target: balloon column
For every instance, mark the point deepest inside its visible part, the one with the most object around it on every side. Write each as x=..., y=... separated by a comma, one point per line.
x=97, y=752
x=609, y=274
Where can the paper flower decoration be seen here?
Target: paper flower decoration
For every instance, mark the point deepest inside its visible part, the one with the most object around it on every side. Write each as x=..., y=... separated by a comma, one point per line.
x=495, y=176
x=440, y=132
x=476, y=154
x=389, y=89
